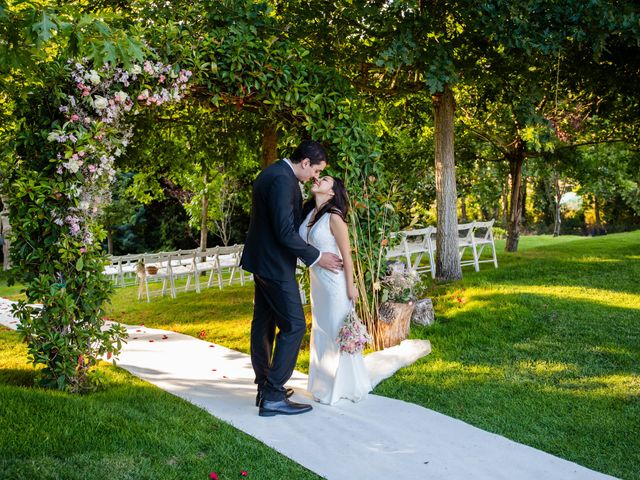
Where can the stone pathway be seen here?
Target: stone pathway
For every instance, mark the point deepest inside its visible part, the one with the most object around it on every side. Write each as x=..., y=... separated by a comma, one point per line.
x=377, y=438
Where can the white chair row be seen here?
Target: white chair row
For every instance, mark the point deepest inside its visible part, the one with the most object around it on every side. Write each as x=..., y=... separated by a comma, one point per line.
x=167, y=267
x=415, y=244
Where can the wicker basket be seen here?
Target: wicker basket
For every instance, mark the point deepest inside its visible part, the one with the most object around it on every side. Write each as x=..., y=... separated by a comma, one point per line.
x=152, y=270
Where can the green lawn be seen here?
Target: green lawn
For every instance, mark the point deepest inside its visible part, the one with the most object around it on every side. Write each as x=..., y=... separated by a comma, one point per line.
x=544, y=350
x=128, y=430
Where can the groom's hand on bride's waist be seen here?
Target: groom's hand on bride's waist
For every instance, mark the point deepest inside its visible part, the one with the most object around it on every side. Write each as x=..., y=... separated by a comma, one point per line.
x=330, y=261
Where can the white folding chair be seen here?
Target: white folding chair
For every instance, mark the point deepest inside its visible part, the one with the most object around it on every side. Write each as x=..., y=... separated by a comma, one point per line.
x=483, y=237
x=466, y=240
x=203, y=262
x=182, y=265
x=162, y=262
x=125, y=269
x=413, y=245
x=112, y=270
x=229, y=260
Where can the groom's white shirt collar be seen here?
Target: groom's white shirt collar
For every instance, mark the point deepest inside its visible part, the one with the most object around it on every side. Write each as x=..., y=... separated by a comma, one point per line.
x=288, y=162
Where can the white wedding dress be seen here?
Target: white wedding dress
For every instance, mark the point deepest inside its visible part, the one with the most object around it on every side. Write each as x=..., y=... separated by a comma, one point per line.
x=332, y=375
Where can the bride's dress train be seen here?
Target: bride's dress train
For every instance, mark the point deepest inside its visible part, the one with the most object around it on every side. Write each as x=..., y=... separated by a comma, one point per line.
x=332, y=375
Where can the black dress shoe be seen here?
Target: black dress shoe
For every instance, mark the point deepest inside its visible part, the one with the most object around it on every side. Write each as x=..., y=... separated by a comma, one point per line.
x=288, y=393
x=270, y=408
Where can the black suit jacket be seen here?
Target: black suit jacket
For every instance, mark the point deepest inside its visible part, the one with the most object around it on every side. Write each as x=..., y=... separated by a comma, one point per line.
x=273, y=245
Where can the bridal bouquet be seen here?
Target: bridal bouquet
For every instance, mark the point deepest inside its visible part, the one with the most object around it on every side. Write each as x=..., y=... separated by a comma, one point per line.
x=353, y=335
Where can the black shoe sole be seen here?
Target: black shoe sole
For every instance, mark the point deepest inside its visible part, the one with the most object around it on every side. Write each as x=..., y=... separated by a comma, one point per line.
x=273, y=413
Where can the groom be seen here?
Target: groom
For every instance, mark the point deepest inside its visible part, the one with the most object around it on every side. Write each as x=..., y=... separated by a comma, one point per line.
x=270, y=253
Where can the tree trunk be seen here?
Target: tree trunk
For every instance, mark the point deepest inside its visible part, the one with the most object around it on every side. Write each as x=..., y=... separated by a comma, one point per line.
x=109, y=241
x=598, y=229
x=5, y=231
x=204, y=231
x=269, y=144
x=516, y=160
x=463, y=210
x=505, y=203
x=394, y=321
x=557, y=218
x=523, y=200
x=557, y=221
x=447, y=259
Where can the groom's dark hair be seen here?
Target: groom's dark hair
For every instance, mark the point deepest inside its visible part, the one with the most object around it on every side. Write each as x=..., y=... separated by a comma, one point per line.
x=311, y=150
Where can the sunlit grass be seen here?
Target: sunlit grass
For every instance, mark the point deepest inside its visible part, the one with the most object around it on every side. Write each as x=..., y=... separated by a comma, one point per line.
x=12, y=292
x=128, y=430
x=544, y=350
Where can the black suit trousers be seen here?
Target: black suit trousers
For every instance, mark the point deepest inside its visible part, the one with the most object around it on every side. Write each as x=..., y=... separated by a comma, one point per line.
x=277, y=304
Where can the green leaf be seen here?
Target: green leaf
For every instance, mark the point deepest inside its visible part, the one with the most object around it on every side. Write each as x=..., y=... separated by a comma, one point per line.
x=134, y=49
x=108, y=52
x=46, y=27
x=79, y=264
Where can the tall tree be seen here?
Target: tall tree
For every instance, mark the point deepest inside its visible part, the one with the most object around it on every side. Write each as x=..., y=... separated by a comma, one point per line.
x=431, y=46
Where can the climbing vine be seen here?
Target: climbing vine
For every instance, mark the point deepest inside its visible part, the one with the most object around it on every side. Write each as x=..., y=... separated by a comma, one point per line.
x=54, y=206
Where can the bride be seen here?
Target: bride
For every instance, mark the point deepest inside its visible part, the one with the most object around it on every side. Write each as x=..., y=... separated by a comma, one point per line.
x=332, y=374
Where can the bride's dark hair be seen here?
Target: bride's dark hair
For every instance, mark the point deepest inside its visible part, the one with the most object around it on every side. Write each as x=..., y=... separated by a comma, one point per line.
x=338, y=204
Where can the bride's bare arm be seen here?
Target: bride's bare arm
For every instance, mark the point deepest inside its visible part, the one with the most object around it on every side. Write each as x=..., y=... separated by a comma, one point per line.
x=340, y=231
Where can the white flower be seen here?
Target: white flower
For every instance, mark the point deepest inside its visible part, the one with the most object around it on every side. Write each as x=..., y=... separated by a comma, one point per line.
x=94, y=77
x=121, y=97
x=53, y=137
x=72, y=165
x=118, y=152
x=100, y=103
x=136, y=70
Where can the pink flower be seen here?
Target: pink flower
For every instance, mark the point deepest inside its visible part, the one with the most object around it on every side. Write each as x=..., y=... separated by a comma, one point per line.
x=83, y=250
x=74, y=118
x=244, y=473
x=162, y=78
x=213, y=476
x=86, y=93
